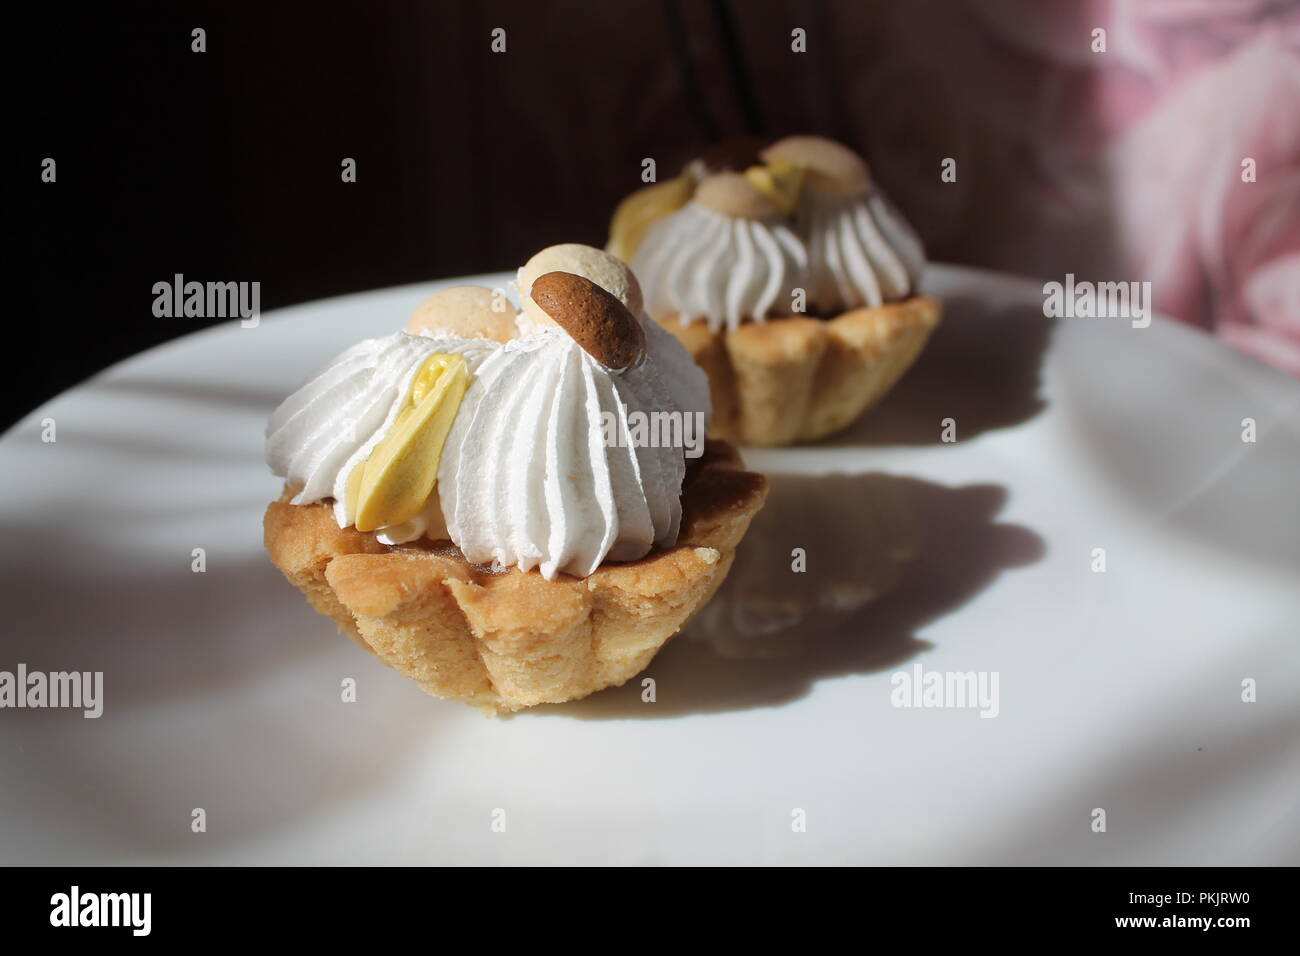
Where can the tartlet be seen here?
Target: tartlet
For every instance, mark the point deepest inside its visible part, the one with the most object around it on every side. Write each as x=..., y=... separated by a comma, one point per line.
x=468, y=500
x=788, y=277
x=509, y=640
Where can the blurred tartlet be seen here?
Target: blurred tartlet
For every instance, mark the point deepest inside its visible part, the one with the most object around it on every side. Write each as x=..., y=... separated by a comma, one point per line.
x=472, y=504
x=789, y=278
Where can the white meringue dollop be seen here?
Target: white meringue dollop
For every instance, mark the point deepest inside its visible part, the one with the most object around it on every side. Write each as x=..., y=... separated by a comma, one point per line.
x=844, y=251
x=702, y=264
x=530, y=476
x=861, y=252
x=331, y=424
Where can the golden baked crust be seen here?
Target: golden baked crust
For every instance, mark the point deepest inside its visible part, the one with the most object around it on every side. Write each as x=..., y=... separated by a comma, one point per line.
x=798, y=379
x=511, y=639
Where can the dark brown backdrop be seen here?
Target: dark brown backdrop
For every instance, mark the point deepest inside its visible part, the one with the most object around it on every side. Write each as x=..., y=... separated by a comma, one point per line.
x=225, y=165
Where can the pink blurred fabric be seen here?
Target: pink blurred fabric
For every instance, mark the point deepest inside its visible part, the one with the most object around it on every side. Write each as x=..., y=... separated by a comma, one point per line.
x=1196, y=87
x=1124, y=165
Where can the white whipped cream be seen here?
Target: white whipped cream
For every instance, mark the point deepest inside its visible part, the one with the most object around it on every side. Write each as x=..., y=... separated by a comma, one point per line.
x=702, y=264
x=527, y=477
x=861, y=252
x=844, y=251
x=330, y=425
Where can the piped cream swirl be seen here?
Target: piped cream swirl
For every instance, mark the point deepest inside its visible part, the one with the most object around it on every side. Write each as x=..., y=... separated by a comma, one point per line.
x=861, y=252
x=802, y=215
x=704, y=264
x=529, y=475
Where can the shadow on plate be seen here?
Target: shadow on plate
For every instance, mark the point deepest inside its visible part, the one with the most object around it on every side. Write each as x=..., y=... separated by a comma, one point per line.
x=221, y=690
x=205, y=393
x=980, y=368
x=885, y=556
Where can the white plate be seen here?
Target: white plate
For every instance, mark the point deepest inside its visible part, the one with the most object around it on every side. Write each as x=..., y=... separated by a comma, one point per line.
x=1119, y=690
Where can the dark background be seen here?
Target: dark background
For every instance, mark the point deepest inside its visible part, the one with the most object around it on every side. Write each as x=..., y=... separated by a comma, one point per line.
x=225, y=165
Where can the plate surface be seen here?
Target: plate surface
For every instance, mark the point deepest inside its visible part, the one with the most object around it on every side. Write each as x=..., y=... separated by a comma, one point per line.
x=773, y=736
